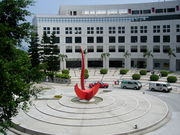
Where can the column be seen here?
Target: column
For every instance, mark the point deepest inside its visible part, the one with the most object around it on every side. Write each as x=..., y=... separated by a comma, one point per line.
x=127, y=63
x=149, y=63
x=86, y=61
x=172, y=66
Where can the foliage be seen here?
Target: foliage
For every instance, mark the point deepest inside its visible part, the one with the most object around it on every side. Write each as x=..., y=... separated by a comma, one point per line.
x=103, y=71
x=50, y=52
x=105, y=55
x=154, y=78
x=171, y=79
x=143, y=72
x=63, y=76
x=148, y=54
x=124, y=71
x=16, y=72
x=86, y=71
x=50, y=74
x=136, y=76
x=127, y=54
x=86, y=76
x=34, y=50
x=58, y=96
x=164, y=73
x=171, y=52
x=65, y=71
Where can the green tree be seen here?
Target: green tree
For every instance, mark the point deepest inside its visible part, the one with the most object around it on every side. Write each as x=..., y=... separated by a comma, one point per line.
x=148, y=53
x=16, y=72
x=34, y=50
x=171, y=53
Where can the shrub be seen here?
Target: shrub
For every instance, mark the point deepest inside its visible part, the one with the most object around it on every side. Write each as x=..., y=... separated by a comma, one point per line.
x=63, y=76
x=65, y=71
x=103, y=71
x=50, y=74
x=154, y=78
x=171, y=79
x=86, y=71
x=136, y=76
x=124, y=71
x=58, y=96
x=164, y=73
x=143, y=72
x=86, y=76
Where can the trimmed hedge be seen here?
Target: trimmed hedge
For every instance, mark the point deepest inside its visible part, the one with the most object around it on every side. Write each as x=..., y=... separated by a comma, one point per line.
x=171, y=79
x=86, y=71
x=154, y=78
x=86, y=76
x=65, y=71
x=124, y=71
x=63, y=76
x=103, y=71
x=143, y=72
x=164, y=73
x=136, y=76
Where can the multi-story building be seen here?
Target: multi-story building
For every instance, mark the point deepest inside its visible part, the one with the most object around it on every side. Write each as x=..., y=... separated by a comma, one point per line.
x=117, y=35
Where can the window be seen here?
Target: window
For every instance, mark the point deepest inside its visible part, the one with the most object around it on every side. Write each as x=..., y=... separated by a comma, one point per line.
x=134, y=29
x=166, y=48
x=156, y=28
x=171, y=10
x=112, y=49
x=143, y=48
x=56, y=30
x=133, y=48
x=166, y=39
x=99, y=48
x=156, y=49
x=99, y=39
x=135, y=12
x=156, y=39
x=90, y=48
x=143, y=39
x=112, y=30
x=121, y=39
x=143, y=29
x=90, y=39
x=77, y=49
x=77, y=30
x=121, y=30
x=99, y=30
x=68, y=39
x=112, y=39
x=178, y=28
x=159, y=10
x=68, y=30
x=77, y=39
x=46, y=30
x=146, y=11
x=57, y=40
x=121, y=49
x=178, y=38
x=74, y=12
x=90, y=30
x=177, y=49
x=68, y=49
x=166, y=28
x=134, y=39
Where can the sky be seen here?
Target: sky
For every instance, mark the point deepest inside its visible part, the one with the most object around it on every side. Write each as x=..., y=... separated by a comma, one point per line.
x=52, y=6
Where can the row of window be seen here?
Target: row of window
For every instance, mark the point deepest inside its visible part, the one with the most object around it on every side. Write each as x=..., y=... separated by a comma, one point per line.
x=133, y=49
x=119, y=39
x=112, y=30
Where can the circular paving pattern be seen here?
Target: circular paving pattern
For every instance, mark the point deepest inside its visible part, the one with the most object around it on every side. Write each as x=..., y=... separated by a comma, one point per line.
x=109, y=113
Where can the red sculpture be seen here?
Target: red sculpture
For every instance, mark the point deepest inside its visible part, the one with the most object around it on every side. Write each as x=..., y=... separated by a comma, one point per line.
x=83, y=93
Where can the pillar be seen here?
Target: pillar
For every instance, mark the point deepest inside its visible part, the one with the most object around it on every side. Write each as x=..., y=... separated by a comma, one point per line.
x=172, y=63
x=149, y=63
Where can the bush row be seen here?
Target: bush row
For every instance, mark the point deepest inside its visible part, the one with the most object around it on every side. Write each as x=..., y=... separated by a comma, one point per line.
x=123, y=71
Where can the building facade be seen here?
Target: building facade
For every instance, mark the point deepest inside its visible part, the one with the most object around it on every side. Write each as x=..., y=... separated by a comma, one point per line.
x=122, y=36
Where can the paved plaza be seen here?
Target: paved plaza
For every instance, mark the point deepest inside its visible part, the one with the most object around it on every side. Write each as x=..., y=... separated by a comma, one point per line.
x=120, y=111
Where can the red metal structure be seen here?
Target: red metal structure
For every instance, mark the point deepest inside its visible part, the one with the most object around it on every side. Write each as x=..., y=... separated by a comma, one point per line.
x=83, y=93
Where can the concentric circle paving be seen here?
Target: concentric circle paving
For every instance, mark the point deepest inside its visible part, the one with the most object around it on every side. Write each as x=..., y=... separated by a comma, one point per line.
x=118, y=113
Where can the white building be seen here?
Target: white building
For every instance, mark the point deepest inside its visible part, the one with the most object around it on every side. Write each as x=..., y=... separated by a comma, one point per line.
x=116, y=30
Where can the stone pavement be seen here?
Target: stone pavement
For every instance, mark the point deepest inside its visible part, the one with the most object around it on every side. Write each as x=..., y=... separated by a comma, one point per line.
x=120, y=112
